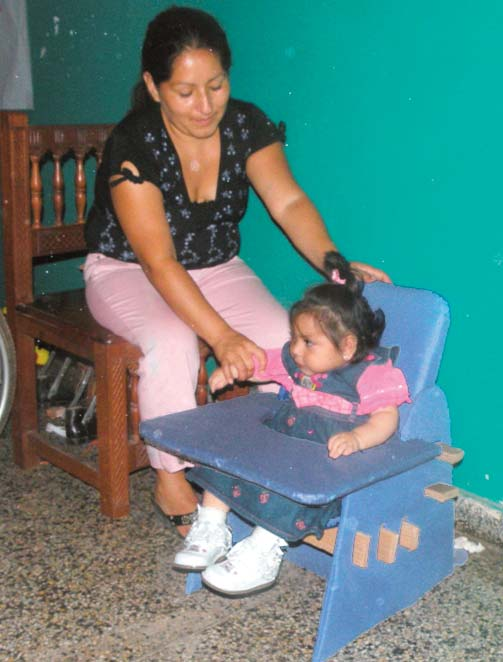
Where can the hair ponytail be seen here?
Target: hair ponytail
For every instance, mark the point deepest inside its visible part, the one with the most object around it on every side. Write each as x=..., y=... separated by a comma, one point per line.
x=338, y=270
x=140, y=97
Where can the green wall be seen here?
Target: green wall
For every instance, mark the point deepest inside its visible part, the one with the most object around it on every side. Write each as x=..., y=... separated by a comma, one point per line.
x=393, y=112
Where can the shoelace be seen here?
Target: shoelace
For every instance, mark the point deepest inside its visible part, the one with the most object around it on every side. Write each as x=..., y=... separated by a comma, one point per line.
x=251, y=553
x=203, y=532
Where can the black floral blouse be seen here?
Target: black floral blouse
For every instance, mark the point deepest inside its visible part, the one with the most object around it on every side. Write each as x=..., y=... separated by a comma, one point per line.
x=204, y=233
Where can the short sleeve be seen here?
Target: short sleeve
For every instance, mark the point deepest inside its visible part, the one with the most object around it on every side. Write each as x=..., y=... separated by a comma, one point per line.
x=126, y=144
x=263, y=130
x=381, y=386
x=274, y=371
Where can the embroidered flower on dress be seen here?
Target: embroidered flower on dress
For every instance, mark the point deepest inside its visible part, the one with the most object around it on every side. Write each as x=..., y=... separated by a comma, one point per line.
x=300, y=524
x=264, y=497
x=236, y=491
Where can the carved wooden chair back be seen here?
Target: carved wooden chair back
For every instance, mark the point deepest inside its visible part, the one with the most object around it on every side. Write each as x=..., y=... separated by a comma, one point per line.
x=40, y=165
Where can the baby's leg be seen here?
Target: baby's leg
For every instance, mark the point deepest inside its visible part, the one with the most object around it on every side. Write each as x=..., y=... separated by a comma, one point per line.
x=212, y=501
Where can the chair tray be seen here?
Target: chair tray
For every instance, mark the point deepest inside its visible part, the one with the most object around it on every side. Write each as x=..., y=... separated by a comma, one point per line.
x=231, y=437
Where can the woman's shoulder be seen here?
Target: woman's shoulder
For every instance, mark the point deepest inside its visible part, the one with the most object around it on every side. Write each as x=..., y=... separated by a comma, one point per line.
x=137, y=122
x=242, y=112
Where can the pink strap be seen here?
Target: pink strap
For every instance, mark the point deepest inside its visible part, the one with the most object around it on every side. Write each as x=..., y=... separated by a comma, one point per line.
x=304, y=397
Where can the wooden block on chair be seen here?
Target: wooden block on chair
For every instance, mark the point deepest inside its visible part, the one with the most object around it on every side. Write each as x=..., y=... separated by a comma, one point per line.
x=409, y=536
x=325, y=543
x=441, y=492
x=387, y=545
x=449, y=454
x=361, y=546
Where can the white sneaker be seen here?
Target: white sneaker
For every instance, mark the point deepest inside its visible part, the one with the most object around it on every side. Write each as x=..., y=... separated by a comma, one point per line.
x=251, y=565
x=207, y=542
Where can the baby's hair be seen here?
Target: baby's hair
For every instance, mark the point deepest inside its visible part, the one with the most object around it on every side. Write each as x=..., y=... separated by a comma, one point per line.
x=340, y=308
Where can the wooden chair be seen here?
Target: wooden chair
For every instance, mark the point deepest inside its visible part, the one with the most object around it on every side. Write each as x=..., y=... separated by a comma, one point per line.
x=394, y=539
x=62, y=320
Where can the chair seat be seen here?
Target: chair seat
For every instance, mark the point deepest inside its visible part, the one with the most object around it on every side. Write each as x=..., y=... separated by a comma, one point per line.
x=63, y=319
x=70, y=310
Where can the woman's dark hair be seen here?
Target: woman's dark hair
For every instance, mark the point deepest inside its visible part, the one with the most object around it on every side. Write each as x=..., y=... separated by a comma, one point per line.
x=340, y=308
x=169, y=34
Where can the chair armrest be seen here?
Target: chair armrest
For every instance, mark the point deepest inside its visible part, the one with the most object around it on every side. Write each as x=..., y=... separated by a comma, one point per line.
x=230, y=436
x=427, y=417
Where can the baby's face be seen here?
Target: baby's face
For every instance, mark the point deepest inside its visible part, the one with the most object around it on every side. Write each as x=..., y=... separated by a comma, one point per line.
x=312, y=351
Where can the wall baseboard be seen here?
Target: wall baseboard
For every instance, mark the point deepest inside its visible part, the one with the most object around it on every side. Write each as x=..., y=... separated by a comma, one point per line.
x=480, y=516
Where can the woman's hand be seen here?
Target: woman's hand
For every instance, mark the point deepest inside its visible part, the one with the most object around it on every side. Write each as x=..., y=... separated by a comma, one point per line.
x=344, y=443
x=235, y=353
x=369, y=274
x=217, y=380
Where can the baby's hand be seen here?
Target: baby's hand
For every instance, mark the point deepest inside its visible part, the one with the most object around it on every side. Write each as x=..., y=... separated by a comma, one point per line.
x=218, y=381
x=344, y=443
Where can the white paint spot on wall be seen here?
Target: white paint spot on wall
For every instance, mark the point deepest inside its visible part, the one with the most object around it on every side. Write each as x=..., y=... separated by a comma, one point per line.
x=498, y=259
x=487, y=477
x=290, y=52
x=43, y=52
x=72, y=33
x=55, y=21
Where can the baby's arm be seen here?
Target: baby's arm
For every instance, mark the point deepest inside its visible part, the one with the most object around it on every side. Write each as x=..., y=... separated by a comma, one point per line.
x=219, y=381
x=378, y=429
x=274, y=371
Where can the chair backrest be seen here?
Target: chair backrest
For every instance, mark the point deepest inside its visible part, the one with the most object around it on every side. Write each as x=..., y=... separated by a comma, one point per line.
x=30, y=235
x=417, y=321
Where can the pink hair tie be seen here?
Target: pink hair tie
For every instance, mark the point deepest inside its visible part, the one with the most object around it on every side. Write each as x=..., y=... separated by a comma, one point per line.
x=336, y=277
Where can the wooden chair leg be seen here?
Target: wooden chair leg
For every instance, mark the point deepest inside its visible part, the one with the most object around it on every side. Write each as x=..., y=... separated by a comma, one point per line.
x=113, y=458
x=25, y=412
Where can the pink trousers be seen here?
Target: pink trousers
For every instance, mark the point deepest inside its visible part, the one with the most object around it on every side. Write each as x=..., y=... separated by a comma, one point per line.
x=122, y=299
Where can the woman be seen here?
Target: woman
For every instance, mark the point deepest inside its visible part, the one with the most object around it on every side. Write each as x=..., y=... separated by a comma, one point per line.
x=163, y=232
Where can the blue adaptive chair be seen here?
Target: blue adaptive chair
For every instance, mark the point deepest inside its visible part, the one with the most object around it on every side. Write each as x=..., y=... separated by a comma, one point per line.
x=394, y=539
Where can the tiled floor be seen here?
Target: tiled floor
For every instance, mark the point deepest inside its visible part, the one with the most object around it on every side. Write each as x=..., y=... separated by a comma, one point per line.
x=77, y=587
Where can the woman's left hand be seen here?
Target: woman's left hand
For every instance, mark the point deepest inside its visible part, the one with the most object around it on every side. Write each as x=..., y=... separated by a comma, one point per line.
x=369, y=274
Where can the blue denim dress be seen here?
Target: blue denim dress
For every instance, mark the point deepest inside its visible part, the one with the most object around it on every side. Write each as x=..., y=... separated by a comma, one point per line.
x=274, y=512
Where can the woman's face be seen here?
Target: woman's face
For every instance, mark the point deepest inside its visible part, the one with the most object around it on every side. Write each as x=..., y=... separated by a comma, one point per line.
x=194, y=99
